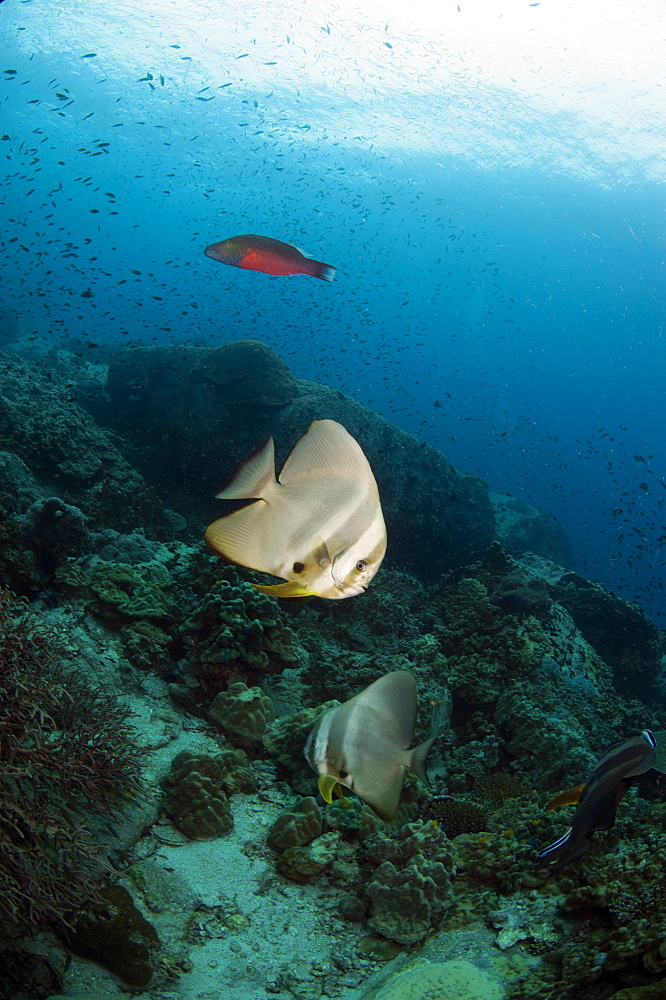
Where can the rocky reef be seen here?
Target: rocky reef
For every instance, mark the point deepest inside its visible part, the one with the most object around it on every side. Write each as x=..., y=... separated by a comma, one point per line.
x=175, y=698
x=174, y=399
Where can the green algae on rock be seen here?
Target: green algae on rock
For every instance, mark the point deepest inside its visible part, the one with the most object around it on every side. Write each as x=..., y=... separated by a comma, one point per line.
x=249, y=373
x=60, y=442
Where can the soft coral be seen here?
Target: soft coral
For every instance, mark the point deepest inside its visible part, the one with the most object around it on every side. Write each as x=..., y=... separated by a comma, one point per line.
x=67, y=761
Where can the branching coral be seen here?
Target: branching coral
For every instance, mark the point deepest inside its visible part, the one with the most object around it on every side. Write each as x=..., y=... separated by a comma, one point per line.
x=67, y=760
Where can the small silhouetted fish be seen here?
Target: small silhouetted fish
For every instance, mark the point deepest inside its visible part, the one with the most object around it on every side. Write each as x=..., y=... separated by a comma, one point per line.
x=320, y=526
x=261, y=253
x=363, y=744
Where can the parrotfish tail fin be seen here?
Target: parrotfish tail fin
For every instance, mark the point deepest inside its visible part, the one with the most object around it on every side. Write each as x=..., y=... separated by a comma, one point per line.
x=289, y=589
x=569, y=798
x=550, y=853
x=417, y=758
x=253, y=477
x=324, y=271
x=327, y=784
x=564, y=850
x=660, y=762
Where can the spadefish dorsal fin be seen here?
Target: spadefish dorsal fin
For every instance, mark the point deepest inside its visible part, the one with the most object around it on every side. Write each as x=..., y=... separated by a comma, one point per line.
x=253, y=476
x=393, y=696
x=326, y=447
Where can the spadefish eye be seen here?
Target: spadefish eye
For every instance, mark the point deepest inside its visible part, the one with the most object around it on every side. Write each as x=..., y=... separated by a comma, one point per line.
x=361, y=565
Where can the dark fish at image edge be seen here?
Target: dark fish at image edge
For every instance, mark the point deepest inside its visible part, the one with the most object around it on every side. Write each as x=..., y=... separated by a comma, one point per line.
x=598, y=799
x=262, y=253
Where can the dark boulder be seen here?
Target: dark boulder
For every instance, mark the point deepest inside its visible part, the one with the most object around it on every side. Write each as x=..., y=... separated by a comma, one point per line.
x=188, y=431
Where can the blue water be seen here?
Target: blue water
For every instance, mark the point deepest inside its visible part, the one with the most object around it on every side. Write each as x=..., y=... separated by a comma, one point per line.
x=487, y=184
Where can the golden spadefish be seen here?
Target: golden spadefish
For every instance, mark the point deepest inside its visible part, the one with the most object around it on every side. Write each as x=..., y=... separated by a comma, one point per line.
x=363, y=745
x=319, y=527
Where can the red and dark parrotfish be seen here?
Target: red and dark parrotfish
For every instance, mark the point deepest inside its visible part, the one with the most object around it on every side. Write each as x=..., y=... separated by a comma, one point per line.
x=598, y=799
x=261, y=253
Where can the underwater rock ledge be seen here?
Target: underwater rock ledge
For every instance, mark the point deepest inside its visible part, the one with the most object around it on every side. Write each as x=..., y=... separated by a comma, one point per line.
x=52, y=447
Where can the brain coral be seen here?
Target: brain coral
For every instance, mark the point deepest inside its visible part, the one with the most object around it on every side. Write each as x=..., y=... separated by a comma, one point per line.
x=120, y=591
x=405, y=904
x=235, y=621
x=296, y=826
x=454, y=980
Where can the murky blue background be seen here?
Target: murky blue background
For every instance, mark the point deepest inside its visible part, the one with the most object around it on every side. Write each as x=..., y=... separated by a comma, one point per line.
x=488, y=181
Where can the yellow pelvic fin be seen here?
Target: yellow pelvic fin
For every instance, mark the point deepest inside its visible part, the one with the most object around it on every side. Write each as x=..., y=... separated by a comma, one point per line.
x=327, y=784
x=343, y=798
x=569, y=798
x=289, y=589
